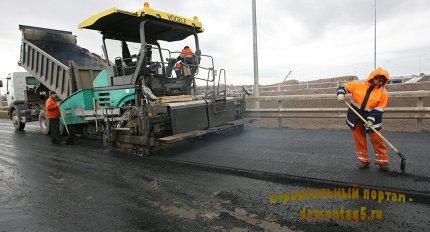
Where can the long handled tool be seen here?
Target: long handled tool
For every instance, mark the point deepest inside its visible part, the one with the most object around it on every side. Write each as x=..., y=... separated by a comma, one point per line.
x=403, y=163
x=69, y=139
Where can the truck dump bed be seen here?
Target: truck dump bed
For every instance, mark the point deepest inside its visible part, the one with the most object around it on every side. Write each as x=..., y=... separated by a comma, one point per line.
x=54, y=58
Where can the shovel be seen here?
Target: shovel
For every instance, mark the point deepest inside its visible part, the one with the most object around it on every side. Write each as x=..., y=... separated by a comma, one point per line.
x=403, y=163
x=69, y=139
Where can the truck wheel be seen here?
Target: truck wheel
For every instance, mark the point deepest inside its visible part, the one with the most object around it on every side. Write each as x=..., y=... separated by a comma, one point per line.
x=16, y=120
x=44, y=122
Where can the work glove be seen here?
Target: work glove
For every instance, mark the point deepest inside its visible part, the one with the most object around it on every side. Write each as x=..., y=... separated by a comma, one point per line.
x=341, y=98
x=368, y=124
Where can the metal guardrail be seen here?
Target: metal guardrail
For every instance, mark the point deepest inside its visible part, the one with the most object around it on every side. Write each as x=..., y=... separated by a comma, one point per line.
x=283, y=88
x=418, y=112
x=299, y=86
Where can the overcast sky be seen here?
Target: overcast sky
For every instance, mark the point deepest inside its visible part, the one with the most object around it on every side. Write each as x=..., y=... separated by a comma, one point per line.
x=313, y=38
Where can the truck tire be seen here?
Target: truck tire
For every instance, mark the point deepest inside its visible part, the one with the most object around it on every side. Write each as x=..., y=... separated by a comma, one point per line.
x=44, y=122
x=16, y=120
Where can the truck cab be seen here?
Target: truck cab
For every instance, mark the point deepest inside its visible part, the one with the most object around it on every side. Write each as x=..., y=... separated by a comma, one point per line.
x=25, y=98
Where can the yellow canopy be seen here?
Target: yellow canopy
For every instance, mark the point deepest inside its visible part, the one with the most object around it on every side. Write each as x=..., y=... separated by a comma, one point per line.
x=119, y=24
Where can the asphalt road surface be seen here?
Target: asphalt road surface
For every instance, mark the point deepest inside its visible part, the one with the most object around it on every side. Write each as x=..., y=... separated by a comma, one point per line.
x=230, y=182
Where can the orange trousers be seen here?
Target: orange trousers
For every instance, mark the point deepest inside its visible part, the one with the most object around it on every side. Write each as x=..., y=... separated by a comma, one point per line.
x=361, y=146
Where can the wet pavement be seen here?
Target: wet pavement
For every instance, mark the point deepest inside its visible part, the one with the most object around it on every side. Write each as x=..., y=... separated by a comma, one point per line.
x=205, y=185
x=322, y=155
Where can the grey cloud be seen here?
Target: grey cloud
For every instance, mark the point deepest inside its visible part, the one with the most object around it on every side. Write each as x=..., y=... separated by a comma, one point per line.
x=286, y=30
x=320, y=17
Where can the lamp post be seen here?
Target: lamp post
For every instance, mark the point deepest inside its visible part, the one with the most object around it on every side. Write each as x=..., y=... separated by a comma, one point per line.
x=254, y=36
x=374, y=51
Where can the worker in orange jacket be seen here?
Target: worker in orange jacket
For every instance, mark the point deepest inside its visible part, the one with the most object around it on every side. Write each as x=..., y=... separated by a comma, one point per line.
x=186, y=55
x=184, y=59
x=369, y=98
x=53, y=114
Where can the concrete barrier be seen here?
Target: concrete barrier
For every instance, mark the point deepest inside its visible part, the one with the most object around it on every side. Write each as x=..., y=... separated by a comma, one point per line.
x=294, y=106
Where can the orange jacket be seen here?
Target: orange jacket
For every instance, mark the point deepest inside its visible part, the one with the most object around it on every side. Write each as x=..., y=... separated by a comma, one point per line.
x=376, y=102
x=186, y=52
x=52, y=109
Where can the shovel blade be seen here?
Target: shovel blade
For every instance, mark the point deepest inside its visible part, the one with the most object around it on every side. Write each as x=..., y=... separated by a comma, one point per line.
x=403, y=165
x=403, y=162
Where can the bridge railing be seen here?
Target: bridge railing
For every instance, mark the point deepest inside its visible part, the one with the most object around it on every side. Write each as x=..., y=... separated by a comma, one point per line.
x=301, y=86
x=418, y=112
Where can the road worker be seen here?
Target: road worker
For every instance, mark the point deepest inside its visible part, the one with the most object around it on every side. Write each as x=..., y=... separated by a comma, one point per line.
x=53, y=114
x=186, y=56
x=369, y=98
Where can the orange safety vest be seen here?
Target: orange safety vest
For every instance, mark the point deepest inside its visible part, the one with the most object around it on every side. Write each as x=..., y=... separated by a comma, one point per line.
x=186, y=52
x=52, y=108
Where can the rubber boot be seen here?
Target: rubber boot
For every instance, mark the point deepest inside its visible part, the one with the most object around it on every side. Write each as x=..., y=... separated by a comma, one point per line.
x=364, y=166
x=383, y=168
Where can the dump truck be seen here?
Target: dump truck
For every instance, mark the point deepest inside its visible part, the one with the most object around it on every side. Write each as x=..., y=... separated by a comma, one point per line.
x=20, y=96
x=53, y=61
x=137, y=102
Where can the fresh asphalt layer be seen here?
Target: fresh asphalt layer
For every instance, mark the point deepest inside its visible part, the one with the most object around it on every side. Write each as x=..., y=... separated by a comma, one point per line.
x=324, y=155
x=320, y=155
x=195, y=187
